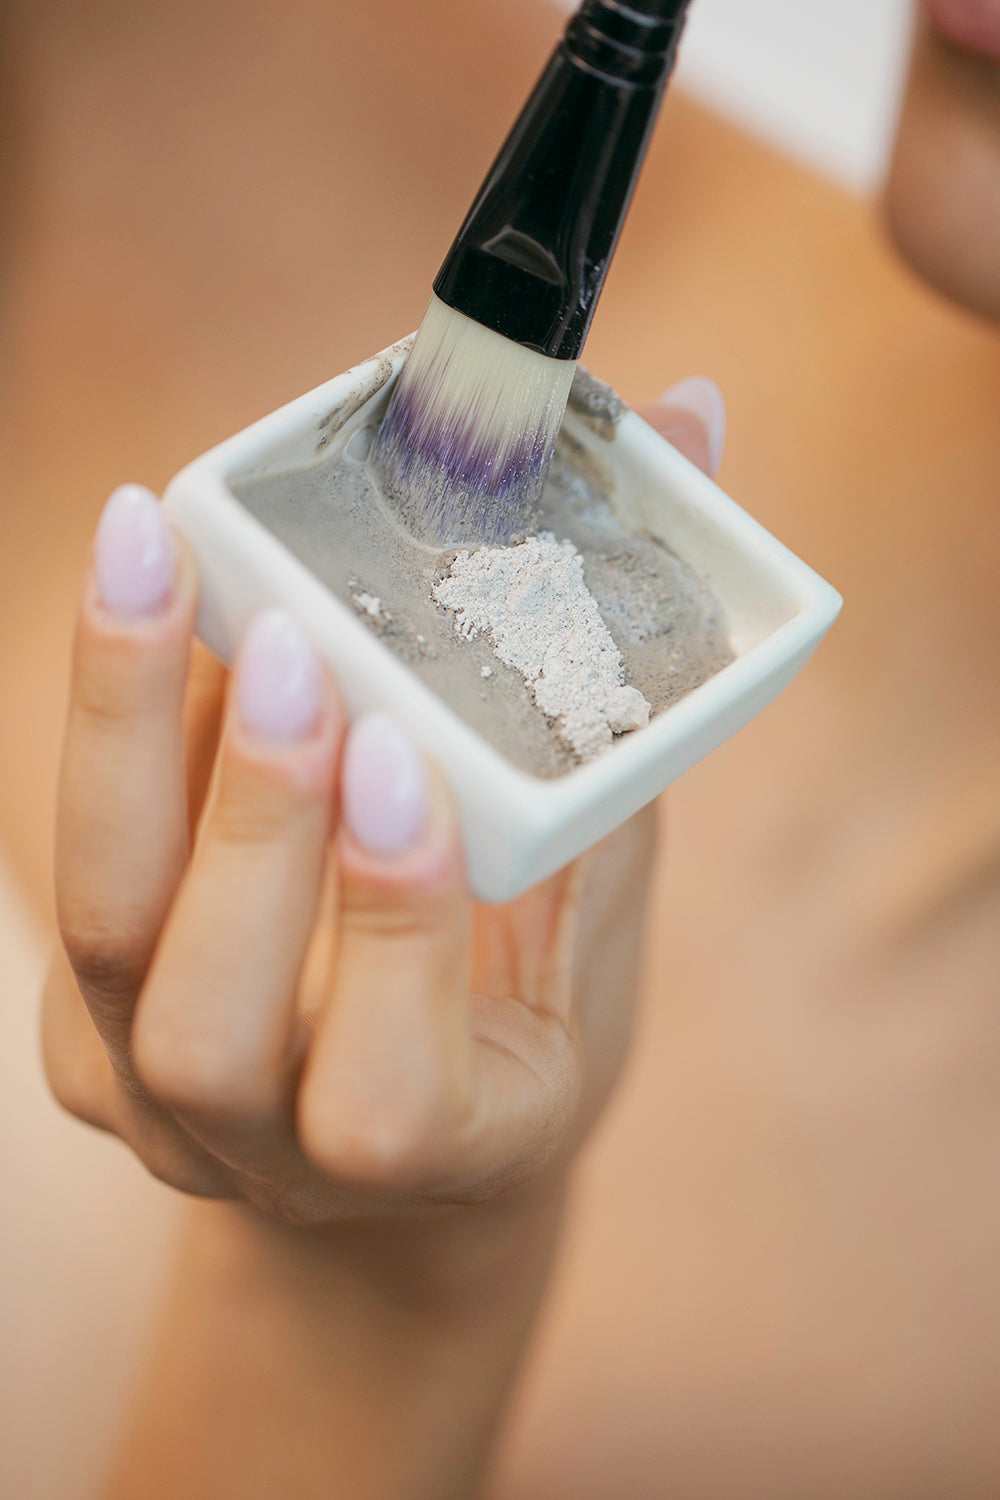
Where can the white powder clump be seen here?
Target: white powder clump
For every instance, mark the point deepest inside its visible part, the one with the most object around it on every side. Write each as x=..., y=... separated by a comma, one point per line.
x=370, y=605
x=541, y=619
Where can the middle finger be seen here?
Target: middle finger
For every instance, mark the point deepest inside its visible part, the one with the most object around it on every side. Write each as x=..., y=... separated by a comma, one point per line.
x=215, y=1029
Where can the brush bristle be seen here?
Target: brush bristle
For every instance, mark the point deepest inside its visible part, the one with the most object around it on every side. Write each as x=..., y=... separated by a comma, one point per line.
x=466, y=444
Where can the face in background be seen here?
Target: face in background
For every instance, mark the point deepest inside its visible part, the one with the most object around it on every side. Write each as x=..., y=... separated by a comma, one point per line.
x=943, y=195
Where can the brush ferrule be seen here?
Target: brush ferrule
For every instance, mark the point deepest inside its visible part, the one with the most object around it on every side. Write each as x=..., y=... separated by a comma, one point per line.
x=530, y=260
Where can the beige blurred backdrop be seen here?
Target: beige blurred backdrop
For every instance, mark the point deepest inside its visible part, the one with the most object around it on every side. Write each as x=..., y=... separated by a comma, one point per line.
x=734, y=1279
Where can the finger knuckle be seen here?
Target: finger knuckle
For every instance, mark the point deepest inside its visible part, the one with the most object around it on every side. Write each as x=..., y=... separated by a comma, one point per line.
x=378, y=1152
x=400, y=924
x=180, y=1167
x=403, y=915
x=103, y=699
x=199, y=1076
x=115, y=680
x=251, y=821
x=261, y=804
x=414, y=900
x=107, y=956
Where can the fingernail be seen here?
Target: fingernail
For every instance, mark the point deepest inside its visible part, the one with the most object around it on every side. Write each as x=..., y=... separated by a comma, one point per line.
x=703, y=397
x=384, y=786
x=278, y=678
x=134, y=554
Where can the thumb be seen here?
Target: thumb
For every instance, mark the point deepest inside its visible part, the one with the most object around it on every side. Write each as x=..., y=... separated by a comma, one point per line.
x=692, y=416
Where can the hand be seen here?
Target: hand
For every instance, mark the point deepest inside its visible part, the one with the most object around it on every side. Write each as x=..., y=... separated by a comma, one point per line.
x=272, y=989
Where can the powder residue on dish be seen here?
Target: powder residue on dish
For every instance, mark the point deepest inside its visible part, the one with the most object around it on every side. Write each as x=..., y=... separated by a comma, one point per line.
x=641, y=632
x=532, y=601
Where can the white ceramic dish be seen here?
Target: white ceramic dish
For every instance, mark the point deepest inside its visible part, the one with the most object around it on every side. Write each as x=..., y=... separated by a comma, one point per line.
x=517, y=828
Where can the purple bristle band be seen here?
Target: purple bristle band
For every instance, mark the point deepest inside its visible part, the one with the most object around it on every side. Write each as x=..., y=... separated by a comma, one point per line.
x=448, y=482
x=463, y=453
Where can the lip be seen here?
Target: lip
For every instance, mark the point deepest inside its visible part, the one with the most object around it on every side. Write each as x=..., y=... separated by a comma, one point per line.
x=973, y=24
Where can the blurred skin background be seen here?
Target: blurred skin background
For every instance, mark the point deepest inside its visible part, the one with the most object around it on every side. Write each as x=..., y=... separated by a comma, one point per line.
x=782, y=1277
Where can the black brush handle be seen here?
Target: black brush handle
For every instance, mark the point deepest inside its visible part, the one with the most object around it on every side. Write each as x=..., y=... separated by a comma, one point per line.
x=530, y=260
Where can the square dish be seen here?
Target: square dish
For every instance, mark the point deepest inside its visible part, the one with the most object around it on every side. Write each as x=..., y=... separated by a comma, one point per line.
x=517, y=827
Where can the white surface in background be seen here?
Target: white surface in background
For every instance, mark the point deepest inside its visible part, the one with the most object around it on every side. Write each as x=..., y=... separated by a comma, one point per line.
x=817, y=78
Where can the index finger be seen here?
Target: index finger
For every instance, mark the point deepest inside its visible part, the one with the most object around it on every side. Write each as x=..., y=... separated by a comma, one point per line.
x=122, y=838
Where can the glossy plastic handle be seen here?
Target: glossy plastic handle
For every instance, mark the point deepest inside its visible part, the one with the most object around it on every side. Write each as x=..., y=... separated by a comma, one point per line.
x=530, y=260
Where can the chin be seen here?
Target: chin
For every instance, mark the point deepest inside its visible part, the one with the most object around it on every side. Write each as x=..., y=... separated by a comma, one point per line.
x=942, y=200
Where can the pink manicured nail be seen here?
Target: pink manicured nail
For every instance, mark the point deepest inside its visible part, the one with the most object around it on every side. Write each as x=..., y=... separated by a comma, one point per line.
x=278, y=678
x=703, y=397
x=385, y=786
x=134, y=554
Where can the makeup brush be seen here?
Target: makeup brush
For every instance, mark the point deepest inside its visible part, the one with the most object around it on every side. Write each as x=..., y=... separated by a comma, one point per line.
x=472, y=424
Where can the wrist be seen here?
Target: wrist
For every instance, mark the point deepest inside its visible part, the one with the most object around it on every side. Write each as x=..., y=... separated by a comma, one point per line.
x=444, y=1260
x=373, y=1358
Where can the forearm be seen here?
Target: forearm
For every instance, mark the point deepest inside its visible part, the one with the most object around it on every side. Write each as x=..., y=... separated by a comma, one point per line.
x=371, y=1363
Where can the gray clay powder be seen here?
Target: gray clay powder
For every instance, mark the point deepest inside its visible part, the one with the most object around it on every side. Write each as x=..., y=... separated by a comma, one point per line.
x=548, y=649
x=542, y=620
